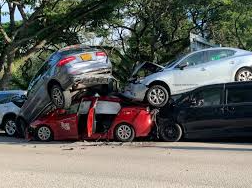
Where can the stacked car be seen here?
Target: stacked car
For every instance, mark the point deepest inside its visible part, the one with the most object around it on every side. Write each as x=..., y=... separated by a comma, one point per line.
x=192, y=97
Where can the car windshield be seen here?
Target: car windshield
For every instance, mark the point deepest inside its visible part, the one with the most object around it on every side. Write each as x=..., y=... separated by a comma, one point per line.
x=172, y=63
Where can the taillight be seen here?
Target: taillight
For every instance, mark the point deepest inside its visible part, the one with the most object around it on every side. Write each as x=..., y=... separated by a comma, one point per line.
x=100, y=54
x=66, y=60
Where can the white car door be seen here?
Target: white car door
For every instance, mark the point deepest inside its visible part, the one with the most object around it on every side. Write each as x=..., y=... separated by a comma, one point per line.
x=193, y=75
x=220, y=65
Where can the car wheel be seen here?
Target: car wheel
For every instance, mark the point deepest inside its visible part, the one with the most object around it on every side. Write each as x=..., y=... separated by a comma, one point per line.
x=157, y=96
x=244, y=74
x=10, y=127
x=124, y=133
x=170, y=133
x=44, y=134
x=60, y=98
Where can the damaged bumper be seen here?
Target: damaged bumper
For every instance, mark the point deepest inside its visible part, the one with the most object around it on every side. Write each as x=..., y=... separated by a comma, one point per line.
x=135, y=91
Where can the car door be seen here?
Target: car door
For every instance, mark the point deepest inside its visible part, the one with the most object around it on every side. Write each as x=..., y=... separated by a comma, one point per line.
x=238, y=110
x=203, y=116
x=219, y=65
x=68, y=122
x=192, y=75
x=91, y=123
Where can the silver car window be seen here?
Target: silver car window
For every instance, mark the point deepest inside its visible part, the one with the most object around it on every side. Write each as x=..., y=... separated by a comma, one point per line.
x=84, y=107
x=214, y=55
x=107, y=107
x=195, y=59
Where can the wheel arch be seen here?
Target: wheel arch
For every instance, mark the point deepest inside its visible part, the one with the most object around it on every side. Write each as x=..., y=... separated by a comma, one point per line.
x=8, y=115
x=162, y=83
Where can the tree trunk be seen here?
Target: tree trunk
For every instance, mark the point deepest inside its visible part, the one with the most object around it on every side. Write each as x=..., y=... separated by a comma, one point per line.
x=7, y=75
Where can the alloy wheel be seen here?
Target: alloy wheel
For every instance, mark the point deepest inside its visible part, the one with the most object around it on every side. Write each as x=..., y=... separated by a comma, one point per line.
x=10, y=127
x=157, y=96
x=124, y=132
x=44, y=133
x=57, y=97
x=244, y=75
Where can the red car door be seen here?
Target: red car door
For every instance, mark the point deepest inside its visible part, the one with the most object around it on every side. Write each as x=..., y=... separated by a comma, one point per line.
x=91, y=119
x=68, y=123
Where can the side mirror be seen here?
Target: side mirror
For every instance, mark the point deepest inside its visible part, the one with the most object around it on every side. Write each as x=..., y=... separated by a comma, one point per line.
x=183, y=65
x=61, y=111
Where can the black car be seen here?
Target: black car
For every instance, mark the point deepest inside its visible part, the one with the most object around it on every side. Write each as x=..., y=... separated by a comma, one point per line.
x=214, y=111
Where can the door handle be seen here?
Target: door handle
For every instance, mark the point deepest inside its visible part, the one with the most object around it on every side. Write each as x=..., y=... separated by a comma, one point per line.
x=232, y=62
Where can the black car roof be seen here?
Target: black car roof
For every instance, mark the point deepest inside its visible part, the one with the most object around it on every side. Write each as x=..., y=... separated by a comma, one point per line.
x=226, y=85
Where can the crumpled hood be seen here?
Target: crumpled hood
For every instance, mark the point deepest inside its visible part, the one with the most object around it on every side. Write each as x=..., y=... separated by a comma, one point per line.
x=151, y=67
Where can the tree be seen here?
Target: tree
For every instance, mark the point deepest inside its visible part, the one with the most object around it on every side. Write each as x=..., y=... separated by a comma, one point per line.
x=157, y=31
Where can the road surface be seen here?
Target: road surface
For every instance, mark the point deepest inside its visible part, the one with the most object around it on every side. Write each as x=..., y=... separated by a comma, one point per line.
x=140, y=164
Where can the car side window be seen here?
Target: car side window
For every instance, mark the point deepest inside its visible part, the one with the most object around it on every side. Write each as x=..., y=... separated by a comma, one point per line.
x=214, y=55
x=194, y=59
x=239, y=95
x=107, y=107
x=208, y=97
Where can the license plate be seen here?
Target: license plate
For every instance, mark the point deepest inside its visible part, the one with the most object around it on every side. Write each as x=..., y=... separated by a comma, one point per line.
x=86, y=57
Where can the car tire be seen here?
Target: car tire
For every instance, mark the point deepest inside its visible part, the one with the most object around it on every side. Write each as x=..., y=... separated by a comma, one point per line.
x=61, y=99
x=124, y=133
x=244, y=74
x=10, y=127
x=44, y=134
x=157, y=96
x=170, y=133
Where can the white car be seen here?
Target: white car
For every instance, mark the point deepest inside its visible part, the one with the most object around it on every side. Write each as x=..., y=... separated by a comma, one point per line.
x=10, y=104
x=156, y=84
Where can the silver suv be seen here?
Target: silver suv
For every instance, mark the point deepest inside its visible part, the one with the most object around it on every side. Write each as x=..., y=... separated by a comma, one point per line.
x=64, y=74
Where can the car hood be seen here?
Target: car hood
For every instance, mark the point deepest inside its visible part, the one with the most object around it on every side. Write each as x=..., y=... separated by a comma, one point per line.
x=147, y=66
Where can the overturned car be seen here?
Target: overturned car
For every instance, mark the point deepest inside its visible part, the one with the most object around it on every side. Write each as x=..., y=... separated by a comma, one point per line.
x=94, y=118
x=64, y=74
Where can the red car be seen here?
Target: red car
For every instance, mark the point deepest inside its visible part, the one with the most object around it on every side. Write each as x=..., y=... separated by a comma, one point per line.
x=94, y=118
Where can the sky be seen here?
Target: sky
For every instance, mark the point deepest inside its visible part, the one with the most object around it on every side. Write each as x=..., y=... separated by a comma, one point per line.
x=5, y=18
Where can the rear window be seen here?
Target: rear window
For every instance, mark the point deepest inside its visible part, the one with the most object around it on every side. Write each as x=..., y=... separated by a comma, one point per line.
x=239, y=95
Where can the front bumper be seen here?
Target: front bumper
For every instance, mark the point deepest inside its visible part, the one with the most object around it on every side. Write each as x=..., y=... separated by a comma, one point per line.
x=135, y=91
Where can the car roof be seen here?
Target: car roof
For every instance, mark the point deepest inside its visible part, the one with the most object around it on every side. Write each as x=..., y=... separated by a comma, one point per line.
x=223, y=48
x=228, y=84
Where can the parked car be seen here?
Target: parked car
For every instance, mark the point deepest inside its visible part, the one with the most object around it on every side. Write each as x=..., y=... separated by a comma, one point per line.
x=63, y=74
x=94, y=118
x=214, y=111
x=155, y=84
x=10, y=104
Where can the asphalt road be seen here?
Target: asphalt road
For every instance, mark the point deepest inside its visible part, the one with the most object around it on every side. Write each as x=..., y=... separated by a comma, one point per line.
x=140, y=164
